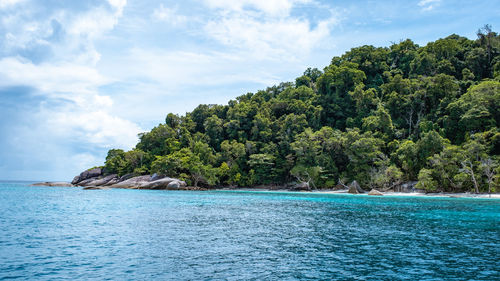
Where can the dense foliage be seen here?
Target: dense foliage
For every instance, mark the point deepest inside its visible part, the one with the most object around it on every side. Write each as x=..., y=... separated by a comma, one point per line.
x=381, y=116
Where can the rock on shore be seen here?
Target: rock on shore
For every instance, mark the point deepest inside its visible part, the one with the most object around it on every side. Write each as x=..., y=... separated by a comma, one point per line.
x=375, y=192
x=355, y=188
x=95, y=179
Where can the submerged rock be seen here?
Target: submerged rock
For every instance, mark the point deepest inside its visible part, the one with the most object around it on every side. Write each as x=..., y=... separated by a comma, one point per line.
x=95, y=187
x=375, y=192
x=52, y=183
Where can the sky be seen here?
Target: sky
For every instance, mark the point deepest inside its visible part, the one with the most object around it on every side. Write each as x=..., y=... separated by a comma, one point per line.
x=78, y=78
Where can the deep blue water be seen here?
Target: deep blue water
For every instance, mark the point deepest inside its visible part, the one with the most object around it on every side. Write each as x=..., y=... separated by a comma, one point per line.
x=57, y=233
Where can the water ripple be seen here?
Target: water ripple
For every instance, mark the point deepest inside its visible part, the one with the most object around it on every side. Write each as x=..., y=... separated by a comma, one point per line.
x=61, y=234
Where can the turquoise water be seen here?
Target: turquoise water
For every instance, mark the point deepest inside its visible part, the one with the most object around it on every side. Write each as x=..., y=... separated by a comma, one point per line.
x=57, y=233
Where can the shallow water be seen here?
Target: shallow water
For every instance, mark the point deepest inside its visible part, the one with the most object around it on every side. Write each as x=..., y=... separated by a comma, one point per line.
x=58, y=233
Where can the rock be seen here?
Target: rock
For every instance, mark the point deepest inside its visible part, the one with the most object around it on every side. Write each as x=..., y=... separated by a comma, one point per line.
x=163, y=183
x=126, y=177
x=92, y=173
x=155, y=176
x=52, y=183
x=157, y=184
x=76, y=179
x=91, y=179
x=85, y=182
x=302, y=186
x=95, y=188
x=135, y=182
x=173, y=185
x=375, y=192
x=102, y=181
x=354, y=188
x=113, y=181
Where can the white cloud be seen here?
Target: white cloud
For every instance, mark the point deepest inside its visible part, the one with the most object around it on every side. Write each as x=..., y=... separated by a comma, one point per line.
x=59, y=34
x=70, y=75
x=85, y=97
x=272, y=39
x=269, y=7
x=96, y=127
x=119, y=5
x=428, y=5
x=87, y=116
x=270, y=32
x=51, y=79
x=169, y=15
x=171, y=71
x=9, y=3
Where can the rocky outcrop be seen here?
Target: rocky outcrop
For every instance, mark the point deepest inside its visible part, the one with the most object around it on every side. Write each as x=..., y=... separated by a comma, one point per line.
x=163, y=183
x=355, y=188
x=52, y=183
x=375, y=192
x=88, y=174
x=98, y=181
x=134, y=182
x=94, y=179
x=175, y=185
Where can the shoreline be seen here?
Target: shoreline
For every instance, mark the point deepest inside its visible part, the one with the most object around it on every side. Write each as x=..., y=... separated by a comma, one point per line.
x=285, y=190
x=389, y=193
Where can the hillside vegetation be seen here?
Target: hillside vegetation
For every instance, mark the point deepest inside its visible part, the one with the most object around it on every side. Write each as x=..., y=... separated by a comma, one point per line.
x=380, y=116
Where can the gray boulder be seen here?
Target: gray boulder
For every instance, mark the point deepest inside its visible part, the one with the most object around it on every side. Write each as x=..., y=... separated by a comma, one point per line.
x=75, y=180
x=355, y=188
x=302, y=186
x=86, y=182
x=375, y=192
x=163, y=183
x=174, y=185
x=113, y=181
x=135, y=182
x=98, y=181
x=126, y=177
x=92, y=173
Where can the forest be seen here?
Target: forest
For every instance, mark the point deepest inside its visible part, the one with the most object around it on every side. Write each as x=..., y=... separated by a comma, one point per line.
x=382, y=116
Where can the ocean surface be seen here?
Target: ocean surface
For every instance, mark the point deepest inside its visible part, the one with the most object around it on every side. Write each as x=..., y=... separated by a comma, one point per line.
x=61, y=233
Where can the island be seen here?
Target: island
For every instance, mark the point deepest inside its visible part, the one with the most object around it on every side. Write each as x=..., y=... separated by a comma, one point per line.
x=402, y=118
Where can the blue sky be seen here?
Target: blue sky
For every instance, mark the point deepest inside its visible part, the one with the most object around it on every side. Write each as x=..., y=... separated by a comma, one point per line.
x=80, y=77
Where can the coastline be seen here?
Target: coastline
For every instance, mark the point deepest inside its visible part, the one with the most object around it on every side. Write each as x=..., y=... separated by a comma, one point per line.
x=284, y=190
x=389, y=193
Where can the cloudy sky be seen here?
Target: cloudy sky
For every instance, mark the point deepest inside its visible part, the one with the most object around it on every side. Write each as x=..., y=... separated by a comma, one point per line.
x=80, y=77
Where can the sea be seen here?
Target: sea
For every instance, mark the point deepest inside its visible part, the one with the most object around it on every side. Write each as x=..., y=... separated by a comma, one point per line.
x=66, y=233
